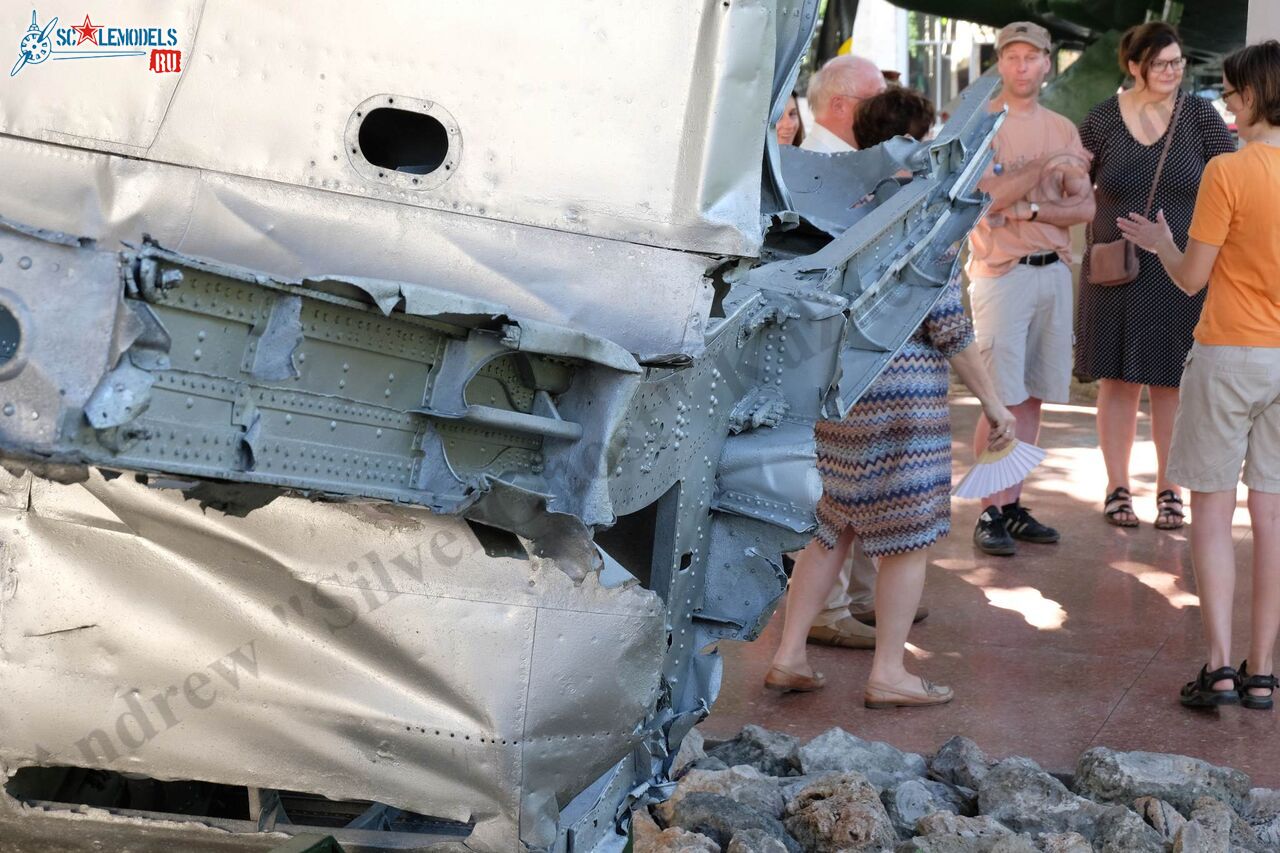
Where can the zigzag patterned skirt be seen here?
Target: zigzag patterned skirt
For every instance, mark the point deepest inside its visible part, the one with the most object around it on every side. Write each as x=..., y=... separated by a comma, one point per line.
x=886, y=468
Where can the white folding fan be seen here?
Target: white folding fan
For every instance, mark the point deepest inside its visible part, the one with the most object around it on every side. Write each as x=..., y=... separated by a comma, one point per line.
x=997, y=470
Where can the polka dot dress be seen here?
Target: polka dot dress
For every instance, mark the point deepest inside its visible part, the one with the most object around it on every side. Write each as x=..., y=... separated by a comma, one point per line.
x=1141, y=331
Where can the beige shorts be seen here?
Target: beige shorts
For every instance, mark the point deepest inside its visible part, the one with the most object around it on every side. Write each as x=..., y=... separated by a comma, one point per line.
x=1228, y=414
x=1023, y=325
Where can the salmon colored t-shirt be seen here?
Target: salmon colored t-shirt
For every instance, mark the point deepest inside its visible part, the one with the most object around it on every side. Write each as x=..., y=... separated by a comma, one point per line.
x=1237, y=209
x=995, y=249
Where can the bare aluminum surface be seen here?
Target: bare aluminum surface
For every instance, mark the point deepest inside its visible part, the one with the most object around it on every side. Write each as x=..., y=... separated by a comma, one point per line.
x=641, y=123
x=297, y=233
x=647, y=496
x=331, y=650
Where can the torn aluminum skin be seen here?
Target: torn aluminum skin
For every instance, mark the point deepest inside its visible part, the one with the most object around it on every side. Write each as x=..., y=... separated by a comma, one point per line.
x=437, y=498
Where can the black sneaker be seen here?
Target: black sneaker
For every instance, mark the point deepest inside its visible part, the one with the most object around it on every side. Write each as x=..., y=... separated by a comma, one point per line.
x=991, y=536
x=1021, y=525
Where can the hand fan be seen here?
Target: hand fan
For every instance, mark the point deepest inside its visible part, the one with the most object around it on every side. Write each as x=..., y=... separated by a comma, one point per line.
x=997, y=470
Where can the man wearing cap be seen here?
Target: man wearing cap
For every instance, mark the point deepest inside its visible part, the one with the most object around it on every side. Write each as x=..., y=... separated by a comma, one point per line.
x=1019, y=273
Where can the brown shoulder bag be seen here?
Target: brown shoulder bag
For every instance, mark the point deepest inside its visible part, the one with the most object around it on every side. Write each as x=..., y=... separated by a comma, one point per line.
x=1115, y=263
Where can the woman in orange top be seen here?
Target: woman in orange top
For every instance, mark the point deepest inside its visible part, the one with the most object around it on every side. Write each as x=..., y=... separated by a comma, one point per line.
x=1229, y=412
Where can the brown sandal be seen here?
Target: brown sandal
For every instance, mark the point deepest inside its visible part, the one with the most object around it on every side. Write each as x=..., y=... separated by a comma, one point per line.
x=1169, y=509
x=789, y=681
x=1117, y=503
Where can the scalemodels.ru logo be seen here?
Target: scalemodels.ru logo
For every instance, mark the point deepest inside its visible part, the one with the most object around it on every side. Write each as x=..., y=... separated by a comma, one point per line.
x=88, y=40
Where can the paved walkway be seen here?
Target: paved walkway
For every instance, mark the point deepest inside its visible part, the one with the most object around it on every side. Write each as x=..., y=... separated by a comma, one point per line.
x=1058, y=649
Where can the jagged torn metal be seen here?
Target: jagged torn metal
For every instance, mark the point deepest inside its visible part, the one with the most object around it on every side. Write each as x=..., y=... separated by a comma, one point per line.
x=500, y=604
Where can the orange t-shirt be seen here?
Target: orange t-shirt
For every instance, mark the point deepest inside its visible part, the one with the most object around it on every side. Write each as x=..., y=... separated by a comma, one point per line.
x=995, y=249
x=1237, y=210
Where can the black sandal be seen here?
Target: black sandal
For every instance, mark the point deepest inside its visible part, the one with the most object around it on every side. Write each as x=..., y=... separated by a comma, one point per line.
x=1120, y=501
x=1200, y=693
x=1169, y=510
x=1256, y=682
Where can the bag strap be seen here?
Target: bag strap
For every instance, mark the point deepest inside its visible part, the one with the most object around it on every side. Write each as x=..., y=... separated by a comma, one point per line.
x=1168, y=143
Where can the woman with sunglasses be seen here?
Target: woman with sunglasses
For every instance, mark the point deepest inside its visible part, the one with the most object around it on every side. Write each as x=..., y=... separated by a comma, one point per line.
x=1230, y=408
x=1138, y=334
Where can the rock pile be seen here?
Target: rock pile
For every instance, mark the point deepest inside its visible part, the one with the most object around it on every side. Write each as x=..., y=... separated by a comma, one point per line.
x=765, y=792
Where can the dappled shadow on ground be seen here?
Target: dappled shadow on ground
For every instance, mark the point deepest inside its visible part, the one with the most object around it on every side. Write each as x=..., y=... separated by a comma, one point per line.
x=1060, y=648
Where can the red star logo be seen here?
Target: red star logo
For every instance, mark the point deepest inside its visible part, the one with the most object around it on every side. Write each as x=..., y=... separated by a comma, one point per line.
x=87, y=31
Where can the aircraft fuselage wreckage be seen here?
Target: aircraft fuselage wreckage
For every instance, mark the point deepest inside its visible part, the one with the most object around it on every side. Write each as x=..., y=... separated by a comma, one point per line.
x=396, y=424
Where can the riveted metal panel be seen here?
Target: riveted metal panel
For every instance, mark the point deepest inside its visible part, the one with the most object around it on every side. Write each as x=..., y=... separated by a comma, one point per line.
x=678, y=92
x=629, y=499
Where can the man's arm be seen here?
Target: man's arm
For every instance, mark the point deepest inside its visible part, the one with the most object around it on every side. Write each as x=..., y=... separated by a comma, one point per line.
x=1060, y=180
x=1065, y=213
x=1013, y=185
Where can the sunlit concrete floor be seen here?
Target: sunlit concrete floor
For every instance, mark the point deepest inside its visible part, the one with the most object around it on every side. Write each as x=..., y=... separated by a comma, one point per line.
x=1058, y=649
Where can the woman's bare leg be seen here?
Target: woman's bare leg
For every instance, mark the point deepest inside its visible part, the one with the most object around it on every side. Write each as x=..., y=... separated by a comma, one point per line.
x=1264, y=511
x=1117, y=425
x=898, y=588
x=1164, y=406
x=1213, y=557
x=815, y=570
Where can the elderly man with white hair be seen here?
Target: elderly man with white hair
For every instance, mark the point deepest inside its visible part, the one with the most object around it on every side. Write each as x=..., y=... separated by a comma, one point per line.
x=835, y=91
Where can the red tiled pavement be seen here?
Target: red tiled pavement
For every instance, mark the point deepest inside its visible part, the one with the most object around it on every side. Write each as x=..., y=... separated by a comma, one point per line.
x=1060, y=648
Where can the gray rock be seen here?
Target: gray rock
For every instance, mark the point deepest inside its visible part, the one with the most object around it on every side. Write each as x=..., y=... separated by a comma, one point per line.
x=647, y=837
x=1119, y=830
x=1196, y=837
x=1262, y=804
x=1268, y=834
x=676, y=840
x=947, y=823
x=1160, y=816
x=1262, y=811
x=1121, y=777
x=1026, y=799
x=793, y=785
x=1067, y=779
x=692, y=748
x=840, y=814
x=755, y=841
x=911, y=800
x=1216, y=813
x=884, y=766
x=1013, y=844
x=706, y=762
x=1065, y=842
x=960, y=761
x=954, y=798
x=642, y=823
x=720, y=818
x=743, y=784
x=772, y=753
x=958, y=844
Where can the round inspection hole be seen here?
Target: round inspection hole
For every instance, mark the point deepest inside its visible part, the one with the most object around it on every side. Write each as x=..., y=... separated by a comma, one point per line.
x=10, y=335
x=403, y=140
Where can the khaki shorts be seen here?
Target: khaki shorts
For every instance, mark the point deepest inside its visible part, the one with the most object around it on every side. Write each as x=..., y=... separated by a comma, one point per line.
x=1228, y=414
x=1023, y=325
